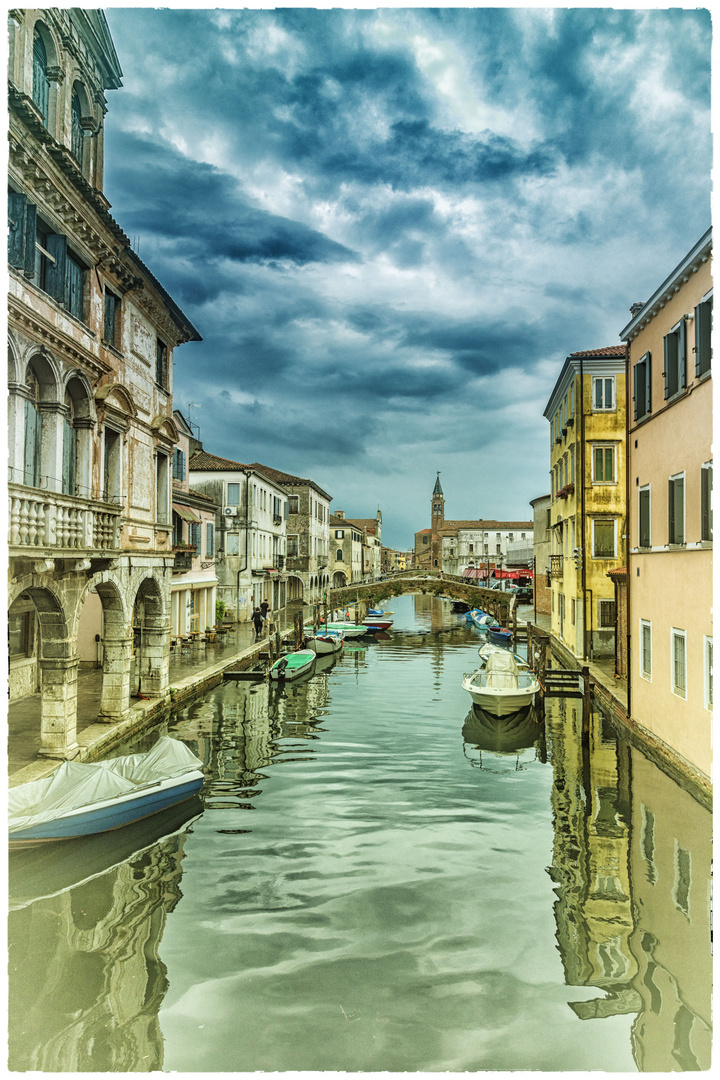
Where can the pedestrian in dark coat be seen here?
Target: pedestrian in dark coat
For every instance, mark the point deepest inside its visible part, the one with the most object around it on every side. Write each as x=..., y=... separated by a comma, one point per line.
x=258, y=622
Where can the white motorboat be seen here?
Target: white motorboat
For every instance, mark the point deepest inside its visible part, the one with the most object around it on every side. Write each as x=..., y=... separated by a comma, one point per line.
x=324, y=642
x=488, y=648
x=351, y=630
x=500, y=687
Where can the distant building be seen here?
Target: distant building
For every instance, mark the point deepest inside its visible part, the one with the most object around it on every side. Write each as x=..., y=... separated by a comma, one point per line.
x=372, y=545
x=346, y=547
x=542, y=536
x=454, y=546
x=308, y=534
x=586, y=412
x=251, y=532
x=394, y=561
x=670, y=508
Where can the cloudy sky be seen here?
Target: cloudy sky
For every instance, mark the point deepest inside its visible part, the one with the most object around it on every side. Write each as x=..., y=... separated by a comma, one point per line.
x=391, y=226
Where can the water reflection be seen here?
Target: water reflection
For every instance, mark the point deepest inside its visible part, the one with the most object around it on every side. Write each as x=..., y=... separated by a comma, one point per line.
x=85, y=977
x=631, y=861
x=358, y=896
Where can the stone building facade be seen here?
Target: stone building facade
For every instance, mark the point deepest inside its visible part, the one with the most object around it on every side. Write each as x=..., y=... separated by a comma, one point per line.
x=346, y=548
x=542, y=536
x=371, y=529
x=251, y=532
x=91, y=431
x=308, y=534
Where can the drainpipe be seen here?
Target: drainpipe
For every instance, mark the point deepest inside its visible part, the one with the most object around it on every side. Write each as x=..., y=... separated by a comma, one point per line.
x=583, y=583
x=247, y=531
x=627, y=517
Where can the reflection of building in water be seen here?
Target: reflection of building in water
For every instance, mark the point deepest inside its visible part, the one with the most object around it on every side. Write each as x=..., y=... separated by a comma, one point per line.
x=632, y=864
x=86, y=978
x=670, y=862
x=590, y=860
x=431, y=609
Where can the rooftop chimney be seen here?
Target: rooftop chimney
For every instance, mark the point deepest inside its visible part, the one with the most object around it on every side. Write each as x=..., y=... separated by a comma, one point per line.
x=637, y=306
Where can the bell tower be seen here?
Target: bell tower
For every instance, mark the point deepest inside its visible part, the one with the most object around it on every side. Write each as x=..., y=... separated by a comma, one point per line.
x=437, y=517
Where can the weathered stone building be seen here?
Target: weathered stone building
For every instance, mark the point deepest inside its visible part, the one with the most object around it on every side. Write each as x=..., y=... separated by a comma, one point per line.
x=542, y=536
x=371, y=529
x=346, y=547
x=91, y=432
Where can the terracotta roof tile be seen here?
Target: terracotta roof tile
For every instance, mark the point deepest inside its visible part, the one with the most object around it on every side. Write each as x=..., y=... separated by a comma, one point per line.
x=609, y=350
x=211, y=462
x=284, y=478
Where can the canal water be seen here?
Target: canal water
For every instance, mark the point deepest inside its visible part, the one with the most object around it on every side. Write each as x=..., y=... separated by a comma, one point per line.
x=377, y=879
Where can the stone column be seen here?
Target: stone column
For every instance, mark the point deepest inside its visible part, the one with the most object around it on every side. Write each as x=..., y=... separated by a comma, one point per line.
x=58, y=705
x=155, y=659
x=115, y=693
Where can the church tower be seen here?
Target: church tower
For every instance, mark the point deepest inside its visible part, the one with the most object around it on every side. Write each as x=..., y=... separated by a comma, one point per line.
x=437, y=521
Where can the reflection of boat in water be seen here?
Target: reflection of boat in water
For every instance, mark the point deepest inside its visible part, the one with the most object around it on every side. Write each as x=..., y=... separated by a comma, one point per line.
x=48, y=869
x=502, y=734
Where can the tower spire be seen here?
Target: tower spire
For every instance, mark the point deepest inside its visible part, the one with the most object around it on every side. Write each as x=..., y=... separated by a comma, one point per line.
x=437, y=490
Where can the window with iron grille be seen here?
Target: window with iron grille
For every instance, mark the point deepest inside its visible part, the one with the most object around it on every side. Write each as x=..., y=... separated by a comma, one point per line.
x=606, y=614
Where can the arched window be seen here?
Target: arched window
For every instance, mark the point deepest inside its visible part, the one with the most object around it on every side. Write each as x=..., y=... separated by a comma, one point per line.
x=69, y=458
x=41, y=83
x=33, y=434
x=339, y=555
x=76, y=136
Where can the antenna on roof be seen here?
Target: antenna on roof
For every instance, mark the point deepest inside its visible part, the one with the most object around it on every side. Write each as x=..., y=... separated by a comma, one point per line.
x=191, y=423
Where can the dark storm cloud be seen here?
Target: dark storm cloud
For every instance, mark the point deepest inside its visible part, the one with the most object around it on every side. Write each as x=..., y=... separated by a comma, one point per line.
x=373, y=216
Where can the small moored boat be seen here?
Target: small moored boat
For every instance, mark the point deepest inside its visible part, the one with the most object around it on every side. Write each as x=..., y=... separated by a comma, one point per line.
x=293, y=665
x=324, y=642
x=498, y=635
x=500, y=687
x=487, y=649
x=82, y=799
x=372, y=623
x=350, y=630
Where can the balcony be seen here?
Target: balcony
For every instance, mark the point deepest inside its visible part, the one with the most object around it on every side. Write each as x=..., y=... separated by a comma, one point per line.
x=278, y=561
x=184, y=555
x=42, y=520
x=277, y=520
x=556, y=566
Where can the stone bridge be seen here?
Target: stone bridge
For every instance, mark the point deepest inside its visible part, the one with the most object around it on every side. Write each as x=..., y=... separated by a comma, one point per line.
x=430, y=582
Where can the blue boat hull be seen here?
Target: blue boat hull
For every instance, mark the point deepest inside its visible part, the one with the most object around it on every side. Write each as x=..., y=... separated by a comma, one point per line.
x=499, y=637
x=98, y=819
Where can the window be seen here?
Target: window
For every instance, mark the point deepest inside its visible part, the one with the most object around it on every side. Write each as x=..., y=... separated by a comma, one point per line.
x=681, y=887
x=498, y=549
x=703, y=336
x=603, y=464
x=706, y=514
x=293, y=504
x=161, y=364
x=471, y=548
x=572, y=611
x=603, y=539
x=676, y=509
x=644, y=517
x=41, y=83
x=603, y=394
x=339, y=534
x=74, y=287
x=196, y=535
x=674, y=373
x=69, y=452
x=232, y=544
x=647, y=842
x=32, y=458
x=292, y=545
x=56, y=269
x=641, y=377
x=20, y=634
x=233, y=495
x=708, y=671
x=606, y=614
x=178, y=468
x=112, y=466
x=678, y=661
x=76, y=135
x=646, y=650
x=111, y=327
x=209, y=538
x=510, y=536
x=339, y=555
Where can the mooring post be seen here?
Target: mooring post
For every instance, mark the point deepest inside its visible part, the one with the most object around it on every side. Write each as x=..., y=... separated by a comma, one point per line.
x=587, y=701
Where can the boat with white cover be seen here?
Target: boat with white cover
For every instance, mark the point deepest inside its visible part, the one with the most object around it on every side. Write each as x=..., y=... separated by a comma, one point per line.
x=323, y=641
x=500, y=687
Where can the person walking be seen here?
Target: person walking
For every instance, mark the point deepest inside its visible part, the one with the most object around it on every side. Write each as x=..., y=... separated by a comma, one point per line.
x=258, y=622
x=264, y=608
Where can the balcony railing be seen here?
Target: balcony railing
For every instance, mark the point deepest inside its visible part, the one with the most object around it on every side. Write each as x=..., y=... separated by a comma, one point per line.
x=183, y=559
x=556, y=566
x=47, y=519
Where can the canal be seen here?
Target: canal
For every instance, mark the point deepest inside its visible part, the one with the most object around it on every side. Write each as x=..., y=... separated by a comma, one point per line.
x=376, y=880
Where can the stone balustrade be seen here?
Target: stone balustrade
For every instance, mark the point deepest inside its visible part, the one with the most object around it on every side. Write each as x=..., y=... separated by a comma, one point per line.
x=47, y=519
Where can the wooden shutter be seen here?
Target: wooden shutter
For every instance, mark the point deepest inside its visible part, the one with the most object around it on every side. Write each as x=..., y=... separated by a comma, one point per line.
x=210, y=539
x=17, y=229
x=682, y=341
x=636, y=403
x=56, y=271
x=109, y=328
x=703, y=337
x=668, y=360
x=69, y=464
x=648, y=361
x=644, y=518
x=706, y=503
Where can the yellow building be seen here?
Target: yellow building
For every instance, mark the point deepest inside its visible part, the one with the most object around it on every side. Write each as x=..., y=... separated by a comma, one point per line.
x=670, y=508
x=586, y=412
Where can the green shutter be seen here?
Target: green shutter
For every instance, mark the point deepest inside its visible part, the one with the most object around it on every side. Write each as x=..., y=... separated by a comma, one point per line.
x=703, y=337
x=648, y=361
x=644, y=519
x=69, y=466
x=706, y=503
x=16, y=229
x=682, y=349
x=636, y=403
x=55, y=272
